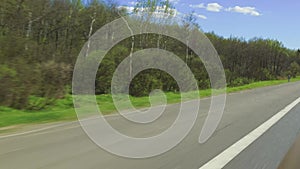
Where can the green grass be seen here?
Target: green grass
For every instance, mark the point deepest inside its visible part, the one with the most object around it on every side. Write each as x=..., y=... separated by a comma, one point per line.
x=63, y=109
x=260, y=84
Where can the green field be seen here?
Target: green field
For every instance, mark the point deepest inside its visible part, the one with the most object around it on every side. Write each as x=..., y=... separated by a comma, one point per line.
x=63, y=110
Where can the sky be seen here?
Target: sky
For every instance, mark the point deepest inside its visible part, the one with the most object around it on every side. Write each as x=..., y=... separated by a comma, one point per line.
x=273, y=19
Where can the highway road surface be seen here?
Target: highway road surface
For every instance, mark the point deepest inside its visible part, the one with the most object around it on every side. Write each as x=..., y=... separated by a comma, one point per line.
x=67, y=146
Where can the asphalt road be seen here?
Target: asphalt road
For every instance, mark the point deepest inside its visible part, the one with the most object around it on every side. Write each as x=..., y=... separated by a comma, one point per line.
x=67, y=146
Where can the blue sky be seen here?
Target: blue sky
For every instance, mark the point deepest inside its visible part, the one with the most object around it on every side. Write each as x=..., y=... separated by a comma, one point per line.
x=272, y=19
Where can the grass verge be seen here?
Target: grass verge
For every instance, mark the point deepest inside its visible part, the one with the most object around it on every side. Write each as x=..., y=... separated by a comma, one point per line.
x=63, y=109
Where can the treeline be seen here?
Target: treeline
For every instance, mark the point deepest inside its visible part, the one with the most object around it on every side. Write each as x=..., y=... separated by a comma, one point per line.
x=255, y=60
x=41, y=39
x=39, y=43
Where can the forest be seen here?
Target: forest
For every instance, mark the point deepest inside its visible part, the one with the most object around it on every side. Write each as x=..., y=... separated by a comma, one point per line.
x=40, y=41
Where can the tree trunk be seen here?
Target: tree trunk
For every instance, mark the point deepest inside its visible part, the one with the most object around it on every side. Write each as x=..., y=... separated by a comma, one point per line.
x=90, y=34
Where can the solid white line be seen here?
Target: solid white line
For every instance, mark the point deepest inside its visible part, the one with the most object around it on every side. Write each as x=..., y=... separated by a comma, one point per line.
x=11, y=151
x=86, y=119
x=37, y=130
x=230, y=153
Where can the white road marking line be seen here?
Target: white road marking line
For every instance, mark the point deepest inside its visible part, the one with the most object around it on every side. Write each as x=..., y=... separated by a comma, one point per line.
x=36, y=130
x=76, y=121
x=230, y=153
x=53, y=131
x=110, y=115
x=11, y=151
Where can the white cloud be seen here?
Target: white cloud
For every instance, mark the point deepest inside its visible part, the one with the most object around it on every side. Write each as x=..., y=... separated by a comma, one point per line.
x=214, y=7
x=200, y=16
x=132, y=3
x=128, y=8
x=159, y=13
x=174, y=1
x=198, y=6
x=244, y=10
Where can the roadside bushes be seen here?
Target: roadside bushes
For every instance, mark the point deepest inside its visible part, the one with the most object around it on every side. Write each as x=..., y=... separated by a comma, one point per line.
x=18, y=83
x=294, y=69
x=54, y=79
x=8, y=78
x=240, y=81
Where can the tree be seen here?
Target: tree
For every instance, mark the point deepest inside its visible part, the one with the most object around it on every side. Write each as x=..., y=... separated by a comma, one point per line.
x=294, y=69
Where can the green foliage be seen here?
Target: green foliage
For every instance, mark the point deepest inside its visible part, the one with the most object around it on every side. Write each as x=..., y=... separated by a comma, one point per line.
x=55, y=78
x=240, y=81
x=294, y=69
x=40, y=42
x=62, y=109
x=7, y=79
